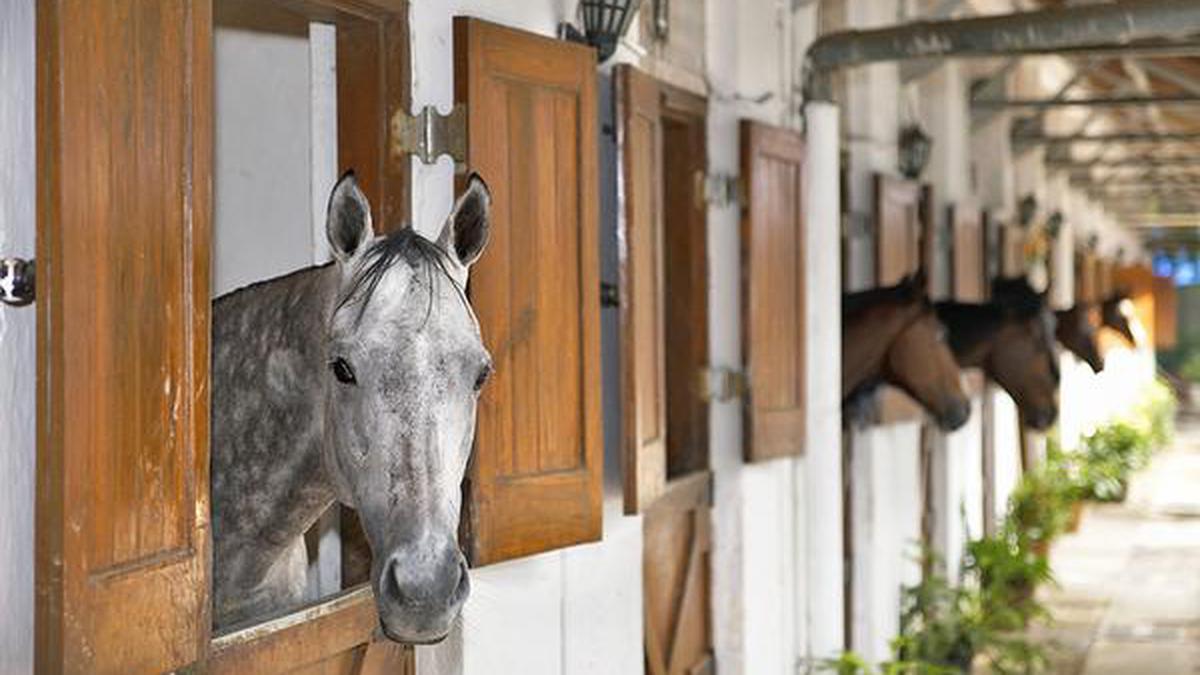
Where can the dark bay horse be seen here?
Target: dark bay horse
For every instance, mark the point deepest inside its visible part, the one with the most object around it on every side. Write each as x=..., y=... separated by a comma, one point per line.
x=355, y=381
x=1075, y=329
x=1012, y=339
x=892, y=335
x=1115, y=312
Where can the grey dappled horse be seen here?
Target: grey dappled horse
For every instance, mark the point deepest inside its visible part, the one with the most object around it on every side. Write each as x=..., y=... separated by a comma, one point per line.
x=354, y=381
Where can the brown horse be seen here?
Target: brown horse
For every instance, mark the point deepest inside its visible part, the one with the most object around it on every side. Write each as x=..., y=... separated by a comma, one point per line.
x=1012, y=339
x=1115, y=312
x=1075, y=329
x=891, y=335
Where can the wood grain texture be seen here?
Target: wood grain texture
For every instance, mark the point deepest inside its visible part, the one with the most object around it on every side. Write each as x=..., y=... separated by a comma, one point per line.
x=535, y=480
x=336, y=636
x=676, y=578
x=969, y=282
x=899, y=228
x=124, y=205
x=1166, y=313
x=640, y=258
x=773, y=304
x=685, y=273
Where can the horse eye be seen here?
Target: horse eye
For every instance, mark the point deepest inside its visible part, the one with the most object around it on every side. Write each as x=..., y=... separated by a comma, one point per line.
x=343, y=372
x=482, y=378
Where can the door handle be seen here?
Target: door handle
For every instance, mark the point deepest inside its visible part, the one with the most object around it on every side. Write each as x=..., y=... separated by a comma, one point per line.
x=17, y=281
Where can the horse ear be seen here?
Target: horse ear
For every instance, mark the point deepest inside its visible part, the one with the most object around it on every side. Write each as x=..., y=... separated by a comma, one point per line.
x=466, y=231
x=348, y=218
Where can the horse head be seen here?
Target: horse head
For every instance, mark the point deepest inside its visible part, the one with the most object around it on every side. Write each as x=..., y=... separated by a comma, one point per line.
x=1116, y=312
x=406, y=364
x=1022, y=358
x=1075, y=329
x=893, y=335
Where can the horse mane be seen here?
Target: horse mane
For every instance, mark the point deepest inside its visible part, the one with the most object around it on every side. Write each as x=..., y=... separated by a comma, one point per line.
x=406, y=245
x=908, y=290
x=1017, y=296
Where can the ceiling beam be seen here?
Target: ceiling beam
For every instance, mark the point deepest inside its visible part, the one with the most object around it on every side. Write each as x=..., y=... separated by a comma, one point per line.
x=1137, y=162
x=1095, y=102
x=1027, y=137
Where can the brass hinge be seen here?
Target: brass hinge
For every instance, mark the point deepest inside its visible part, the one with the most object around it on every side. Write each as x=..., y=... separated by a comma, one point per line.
x=722, y=384
x=429, y=135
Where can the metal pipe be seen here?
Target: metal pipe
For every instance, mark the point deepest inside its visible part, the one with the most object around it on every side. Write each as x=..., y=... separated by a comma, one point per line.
x=1122, y=137
x=1040, y=32
x=1097, y=102
x=1139, y=162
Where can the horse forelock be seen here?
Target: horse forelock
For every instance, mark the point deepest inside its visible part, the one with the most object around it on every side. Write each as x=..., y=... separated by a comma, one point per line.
x=384, y=254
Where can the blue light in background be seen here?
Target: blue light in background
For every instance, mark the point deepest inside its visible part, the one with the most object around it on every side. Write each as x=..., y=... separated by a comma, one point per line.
x=1185, y=270
x=1163, y=265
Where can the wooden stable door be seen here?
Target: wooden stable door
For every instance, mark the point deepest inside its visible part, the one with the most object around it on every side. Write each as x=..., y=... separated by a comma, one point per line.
x=773, y=304
x=535, y=481
x=124, y=149
x=640, y=251
x=125, y=137
x=969, y=282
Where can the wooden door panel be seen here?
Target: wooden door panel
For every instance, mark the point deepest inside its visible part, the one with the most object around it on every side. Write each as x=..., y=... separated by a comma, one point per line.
x=969, y=268
x=640, y=241
x=676, y=578
x=898, y=229
x=536, y=476
x=1166, y=313
x=773, y=302
x=124, y=115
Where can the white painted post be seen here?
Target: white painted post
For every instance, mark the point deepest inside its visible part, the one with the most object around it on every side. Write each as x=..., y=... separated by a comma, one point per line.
x=322, y=73
x=823, y=471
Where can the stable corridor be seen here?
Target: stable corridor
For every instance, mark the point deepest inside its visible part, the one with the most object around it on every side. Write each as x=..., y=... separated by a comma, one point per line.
x=1128, y=595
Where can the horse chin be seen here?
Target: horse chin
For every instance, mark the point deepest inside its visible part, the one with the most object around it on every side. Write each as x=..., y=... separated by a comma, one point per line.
x=955, y=415
x=1041, y=419
x=413, y=639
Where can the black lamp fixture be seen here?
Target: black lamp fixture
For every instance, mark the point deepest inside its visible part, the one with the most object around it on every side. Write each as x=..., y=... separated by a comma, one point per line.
x=604, y=24
x=1027, y=209
x=1054, y=224
x=914, y=150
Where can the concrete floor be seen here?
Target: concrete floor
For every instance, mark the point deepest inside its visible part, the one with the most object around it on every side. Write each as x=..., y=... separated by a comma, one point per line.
x=1128, y=594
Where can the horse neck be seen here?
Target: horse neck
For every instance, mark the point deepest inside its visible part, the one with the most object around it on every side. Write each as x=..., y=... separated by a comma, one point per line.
x=867, y=335
x=971, y=330
x=269, y=376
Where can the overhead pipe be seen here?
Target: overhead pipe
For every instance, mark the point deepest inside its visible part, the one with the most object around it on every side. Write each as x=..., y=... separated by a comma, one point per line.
x=1093, y=102
x=1024, y=33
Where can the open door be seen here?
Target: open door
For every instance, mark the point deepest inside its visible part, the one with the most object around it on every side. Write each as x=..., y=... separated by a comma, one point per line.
x=640, y=251
x=535, y=480
x=124, y=144
x=773, y=308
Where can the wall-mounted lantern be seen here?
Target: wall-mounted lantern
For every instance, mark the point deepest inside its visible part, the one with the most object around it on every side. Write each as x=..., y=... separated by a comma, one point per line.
x=604, y=24
x=662, y=19
x=1027, y=209
x=1093, y=242
x=915, y=147
x=1054, y=224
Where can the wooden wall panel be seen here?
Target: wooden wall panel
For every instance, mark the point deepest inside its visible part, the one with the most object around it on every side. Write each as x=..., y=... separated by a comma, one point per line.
x=773, y=305
x=640, y=244
x=899, y=229
x=969, y=272
x=535, y=481
x=124, y=163
x=1166, y=313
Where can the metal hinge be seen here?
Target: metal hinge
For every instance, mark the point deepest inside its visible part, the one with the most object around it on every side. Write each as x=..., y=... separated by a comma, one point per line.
x=429, y=135
x=722, y=384
x=17, y=281
x=719, y=189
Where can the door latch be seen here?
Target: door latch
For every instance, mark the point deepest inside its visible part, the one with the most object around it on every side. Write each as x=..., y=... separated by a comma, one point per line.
x=17, y=279
x=429, y=135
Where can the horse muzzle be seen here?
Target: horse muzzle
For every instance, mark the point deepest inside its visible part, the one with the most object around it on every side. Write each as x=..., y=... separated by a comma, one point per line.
x=954, y=414
x=420, y=592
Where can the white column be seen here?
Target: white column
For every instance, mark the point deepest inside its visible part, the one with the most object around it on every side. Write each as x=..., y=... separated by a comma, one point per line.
x=823, y=471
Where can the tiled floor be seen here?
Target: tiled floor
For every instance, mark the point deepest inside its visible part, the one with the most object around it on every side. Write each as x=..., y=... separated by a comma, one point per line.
x=1128, y=595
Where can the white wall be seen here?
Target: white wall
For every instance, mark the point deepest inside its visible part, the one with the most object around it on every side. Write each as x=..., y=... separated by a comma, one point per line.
x=17, y=331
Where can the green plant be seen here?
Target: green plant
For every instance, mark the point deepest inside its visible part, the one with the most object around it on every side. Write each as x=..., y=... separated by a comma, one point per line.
x=1110, y=455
